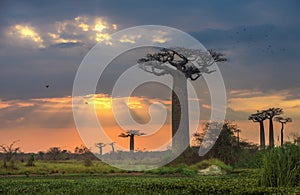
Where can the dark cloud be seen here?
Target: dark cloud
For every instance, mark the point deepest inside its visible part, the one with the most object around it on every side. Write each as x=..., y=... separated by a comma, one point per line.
x=66, y=45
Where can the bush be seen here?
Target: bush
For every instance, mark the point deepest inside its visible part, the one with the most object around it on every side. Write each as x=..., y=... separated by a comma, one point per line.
x=250, y=159
x=206, y=163
x=87, y=162
x=281, y=166
x=30, y=162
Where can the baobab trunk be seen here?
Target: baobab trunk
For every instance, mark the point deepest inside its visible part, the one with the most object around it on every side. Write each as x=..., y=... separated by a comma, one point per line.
x=262, y=135
x=100, y=148
x=180, y=117
x=271, y=133
x=131, y=143
x=281, y=132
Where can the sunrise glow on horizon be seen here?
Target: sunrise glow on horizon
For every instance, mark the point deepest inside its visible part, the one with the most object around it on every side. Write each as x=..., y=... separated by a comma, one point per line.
x=39, y=57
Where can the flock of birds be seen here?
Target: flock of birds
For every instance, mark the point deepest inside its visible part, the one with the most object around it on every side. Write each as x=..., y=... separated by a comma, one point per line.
x=247, y=36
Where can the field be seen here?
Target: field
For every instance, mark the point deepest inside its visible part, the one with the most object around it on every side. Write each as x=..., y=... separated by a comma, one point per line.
x=136, y=184
x=72, y=177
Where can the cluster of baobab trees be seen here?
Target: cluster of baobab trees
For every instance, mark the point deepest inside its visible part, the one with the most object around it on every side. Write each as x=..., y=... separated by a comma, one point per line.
x=269, y=114
x=129, y=133
x=100, y=145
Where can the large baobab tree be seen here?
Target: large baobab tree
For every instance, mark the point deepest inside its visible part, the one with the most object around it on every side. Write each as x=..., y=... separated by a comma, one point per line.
x=271, y=113
x=131, y=134
x=259, y=117
x=283, y=121
x=181, y=64
x=100, y=146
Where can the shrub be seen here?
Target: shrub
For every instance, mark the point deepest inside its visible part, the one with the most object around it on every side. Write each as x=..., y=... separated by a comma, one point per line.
x=281, y=166
x=30, y=162
x=206, y=163
x=87, y=162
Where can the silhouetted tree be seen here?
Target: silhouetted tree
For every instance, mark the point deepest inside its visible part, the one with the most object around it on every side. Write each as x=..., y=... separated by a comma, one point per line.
x=112, y=146
x=238, y=131
x=54, y=153
x=226, y=147
x=283, y=121
x=100, y=146
x=180, y=63
x=260, y=117
x=9, y=152
x=271, y=112
x=40, y=155
x=131, y=134
x=81, y=150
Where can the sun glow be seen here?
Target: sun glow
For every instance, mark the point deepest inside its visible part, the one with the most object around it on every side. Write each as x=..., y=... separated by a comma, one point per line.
x=27, y=33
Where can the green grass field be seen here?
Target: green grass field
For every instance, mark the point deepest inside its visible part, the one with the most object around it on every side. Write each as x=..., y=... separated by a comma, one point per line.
x=141, y=184
x=73, y=177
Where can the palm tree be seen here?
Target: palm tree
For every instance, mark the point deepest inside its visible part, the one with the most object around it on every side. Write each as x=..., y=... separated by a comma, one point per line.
x=271, y=112
x=283, y=121
x=100, y=146
x=260, y=117
x=131, y=134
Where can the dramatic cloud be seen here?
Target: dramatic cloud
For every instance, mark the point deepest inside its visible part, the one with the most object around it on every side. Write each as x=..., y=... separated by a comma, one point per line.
x=260, y=39
x=86, y=30
x=25, y=33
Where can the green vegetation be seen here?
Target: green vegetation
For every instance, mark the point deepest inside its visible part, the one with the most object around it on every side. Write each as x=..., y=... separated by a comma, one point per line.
x=60, y=167
x=281, y=166
x=244, y=170
x=234, y=184
x=206, y=163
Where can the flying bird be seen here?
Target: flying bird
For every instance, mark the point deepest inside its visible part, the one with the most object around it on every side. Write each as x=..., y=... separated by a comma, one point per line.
x=47, y=86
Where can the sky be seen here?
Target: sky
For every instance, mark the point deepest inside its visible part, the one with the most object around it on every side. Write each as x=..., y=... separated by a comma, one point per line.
x=43, y=43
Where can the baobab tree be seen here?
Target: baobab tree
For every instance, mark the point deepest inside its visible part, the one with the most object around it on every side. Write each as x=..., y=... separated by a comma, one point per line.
x=112, y=146
x=283, y=121
x=259, y=117
x=100, y=146
x=131, y=134
x=181, y=64
x=271, y=113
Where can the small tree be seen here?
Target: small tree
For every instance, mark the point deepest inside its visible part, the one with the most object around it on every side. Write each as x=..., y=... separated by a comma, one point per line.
x=112, y=147
x=283, y=121
x=100, y=146
x=227, y=147
x=9, y=152
x=30, y=162
x=131, y=134
x=81, y=150
x=54, y=153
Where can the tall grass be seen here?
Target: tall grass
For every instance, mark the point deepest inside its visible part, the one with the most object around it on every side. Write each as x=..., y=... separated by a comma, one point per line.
x=281, y=166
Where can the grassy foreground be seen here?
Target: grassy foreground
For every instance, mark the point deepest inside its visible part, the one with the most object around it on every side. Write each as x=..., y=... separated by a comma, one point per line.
x=243, y=183
x=96, y=177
